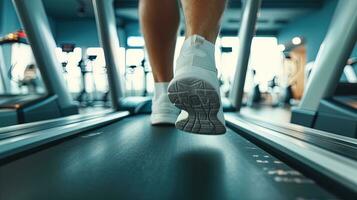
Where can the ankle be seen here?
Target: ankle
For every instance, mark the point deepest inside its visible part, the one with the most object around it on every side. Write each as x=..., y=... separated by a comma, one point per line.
x=211, y=38
x=160, y=88
x=198, y=40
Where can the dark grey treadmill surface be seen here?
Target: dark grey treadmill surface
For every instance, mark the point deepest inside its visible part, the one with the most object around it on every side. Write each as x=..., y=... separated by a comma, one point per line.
x=130, y=159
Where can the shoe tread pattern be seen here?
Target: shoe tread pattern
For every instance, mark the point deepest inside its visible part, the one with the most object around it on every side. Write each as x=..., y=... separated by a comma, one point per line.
x=202, y=103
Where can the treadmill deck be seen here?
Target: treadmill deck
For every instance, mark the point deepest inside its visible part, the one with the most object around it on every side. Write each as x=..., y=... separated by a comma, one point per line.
x=131, y=159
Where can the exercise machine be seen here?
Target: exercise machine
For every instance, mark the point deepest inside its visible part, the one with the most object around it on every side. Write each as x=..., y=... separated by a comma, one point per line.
x=121, y=156
x=18, y=109
x=327, y=104
x=84, y=98
x=255, y=95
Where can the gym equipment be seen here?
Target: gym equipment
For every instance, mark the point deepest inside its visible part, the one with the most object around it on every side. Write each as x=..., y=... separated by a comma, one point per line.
x=246, y=33
x=87, y=98
x=66, y=48
x=132, y=159
x=327, y=104
x=255, y=95
x=18, y=109
x=119, y=154
x=30, y=74
x=30, y=79
x=23, y=129
x=146, y=73
x=84, y=98
x=15, y=37
x=281, y=93
x=286, y=95
x=274, y=90
x=349, y=71
x=132, y=72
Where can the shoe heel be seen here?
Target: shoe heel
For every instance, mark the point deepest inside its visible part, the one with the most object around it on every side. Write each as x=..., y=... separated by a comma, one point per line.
x=202, y=103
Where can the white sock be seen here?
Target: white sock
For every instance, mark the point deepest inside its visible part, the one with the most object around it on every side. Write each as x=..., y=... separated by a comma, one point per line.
x=201, y=41
x=160, y=88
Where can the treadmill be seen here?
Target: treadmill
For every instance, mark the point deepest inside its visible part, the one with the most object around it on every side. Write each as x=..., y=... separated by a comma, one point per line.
x=121, y=156
x=327, y=104
x=18, y=109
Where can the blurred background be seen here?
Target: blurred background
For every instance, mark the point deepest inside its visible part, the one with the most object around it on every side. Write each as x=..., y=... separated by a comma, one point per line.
x=289, y=34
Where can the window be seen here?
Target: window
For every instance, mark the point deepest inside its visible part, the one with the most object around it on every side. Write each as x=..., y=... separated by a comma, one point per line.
x=24, y=74
x=98, y=82
x=265, y=59
x=135, y=41
x=71, y=71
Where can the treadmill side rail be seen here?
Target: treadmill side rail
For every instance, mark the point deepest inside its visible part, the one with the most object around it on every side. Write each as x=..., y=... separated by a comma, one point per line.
x=342, y=145
x=27, y=128
x=15, y=145
x=332, y=166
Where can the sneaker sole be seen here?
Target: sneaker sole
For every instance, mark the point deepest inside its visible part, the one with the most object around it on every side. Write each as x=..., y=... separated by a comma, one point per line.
x=202, y=103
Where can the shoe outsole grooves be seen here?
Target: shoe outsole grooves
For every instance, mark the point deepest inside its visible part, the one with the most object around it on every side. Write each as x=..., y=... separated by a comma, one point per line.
x=202, y=103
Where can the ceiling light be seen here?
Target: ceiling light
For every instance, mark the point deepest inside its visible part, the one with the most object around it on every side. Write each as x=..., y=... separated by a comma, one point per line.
x=296, y=40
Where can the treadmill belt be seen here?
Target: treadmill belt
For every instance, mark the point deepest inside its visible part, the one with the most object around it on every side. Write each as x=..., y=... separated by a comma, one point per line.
x=131, y=159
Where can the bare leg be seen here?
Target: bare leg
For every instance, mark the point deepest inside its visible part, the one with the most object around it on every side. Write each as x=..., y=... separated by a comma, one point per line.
x=159, y=23
x=203, y=17
x=195, y=87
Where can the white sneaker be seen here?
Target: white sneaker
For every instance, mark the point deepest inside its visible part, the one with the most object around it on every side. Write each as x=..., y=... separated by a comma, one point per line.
x=163, y=112
x=195, y=89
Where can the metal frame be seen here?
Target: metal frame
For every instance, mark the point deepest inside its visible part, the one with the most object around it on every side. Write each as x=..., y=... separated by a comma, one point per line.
x=246, y=33
x=14, y=145
x=22, y=129
x=3, y=86
x=332, y=56
x=35, y=23
x=341, y=145
x=108, y=37
x=332, y=165
x=6, y=85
